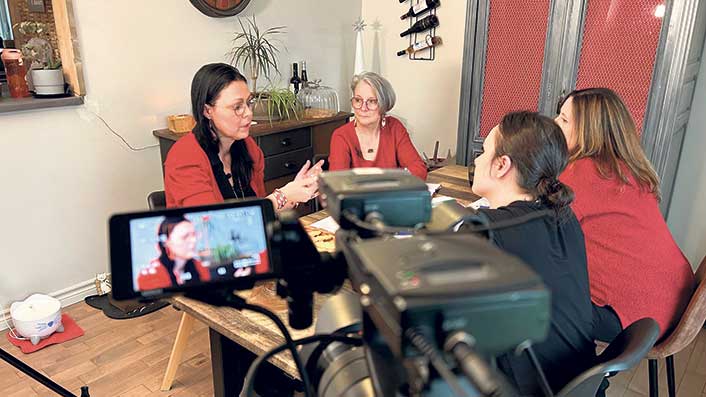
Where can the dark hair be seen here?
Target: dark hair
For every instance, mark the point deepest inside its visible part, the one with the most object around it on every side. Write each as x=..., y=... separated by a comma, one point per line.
x=165, y=229
x=206, y=86
x=538, y=149
x=606, y=132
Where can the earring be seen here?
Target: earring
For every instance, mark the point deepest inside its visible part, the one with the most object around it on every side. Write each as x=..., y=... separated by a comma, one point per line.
x=383, y=121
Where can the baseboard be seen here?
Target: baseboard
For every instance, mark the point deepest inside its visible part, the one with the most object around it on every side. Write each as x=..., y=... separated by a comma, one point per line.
x=67, y=296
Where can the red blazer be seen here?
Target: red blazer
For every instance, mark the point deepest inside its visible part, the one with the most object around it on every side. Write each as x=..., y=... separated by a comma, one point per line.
x=157, y=276
x=395, y=150
x=634, y=265
x=189, y=180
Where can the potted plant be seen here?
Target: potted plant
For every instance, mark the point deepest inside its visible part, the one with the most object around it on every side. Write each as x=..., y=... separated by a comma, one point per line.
x=279, y=103
x=256, y=50
x=46, y=74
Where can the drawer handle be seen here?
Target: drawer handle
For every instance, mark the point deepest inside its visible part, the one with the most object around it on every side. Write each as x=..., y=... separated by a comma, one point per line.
x=289, y=165
x=285, y=142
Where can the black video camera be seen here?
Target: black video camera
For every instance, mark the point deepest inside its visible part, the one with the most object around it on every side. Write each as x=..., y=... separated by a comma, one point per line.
x=430, y=293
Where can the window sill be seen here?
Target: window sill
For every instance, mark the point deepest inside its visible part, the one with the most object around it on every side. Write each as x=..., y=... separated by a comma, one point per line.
x=9, y=104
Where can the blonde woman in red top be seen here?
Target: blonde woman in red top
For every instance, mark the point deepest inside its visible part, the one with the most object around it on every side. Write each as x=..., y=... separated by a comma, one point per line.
x=374, y=139
x=635, y=268
x=219, y=159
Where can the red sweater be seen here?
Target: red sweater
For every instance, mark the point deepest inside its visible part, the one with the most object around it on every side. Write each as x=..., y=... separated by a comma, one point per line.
x=157, y=276
x=189, y=180
x=634, y=265
x=395, y=150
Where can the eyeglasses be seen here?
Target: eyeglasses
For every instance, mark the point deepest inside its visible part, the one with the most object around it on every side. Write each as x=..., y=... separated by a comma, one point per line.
x=357, y=103
x=239, y=108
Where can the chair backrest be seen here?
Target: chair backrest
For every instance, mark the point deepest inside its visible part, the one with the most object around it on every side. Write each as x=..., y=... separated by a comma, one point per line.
x=623, y=353
x=318, y=157
x=691, y=322
x=157, y=200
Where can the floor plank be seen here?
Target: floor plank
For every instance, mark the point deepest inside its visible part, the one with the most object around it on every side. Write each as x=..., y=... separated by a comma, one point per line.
x=127, y=358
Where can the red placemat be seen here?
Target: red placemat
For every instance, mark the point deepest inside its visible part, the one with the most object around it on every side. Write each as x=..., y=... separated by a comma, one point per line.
x=71, y=331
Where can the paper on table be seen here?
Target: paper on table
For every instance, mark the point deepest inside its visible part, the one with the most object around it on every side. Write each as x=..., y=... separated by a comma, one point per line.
x=433, y=187
x=440, y=199
x=480, y=203
x=327, y=224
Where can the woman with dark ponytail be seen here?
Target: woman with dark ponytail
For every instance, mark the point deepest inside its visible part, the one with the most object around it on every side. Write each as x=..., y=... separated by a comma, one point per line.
x=219, y=159
x=176, y=264
x=518, y=174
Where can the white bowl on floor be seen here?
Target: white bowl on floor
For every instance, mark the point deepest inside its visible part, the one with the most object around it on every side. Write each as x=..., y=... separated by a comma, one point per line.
x=36, y=317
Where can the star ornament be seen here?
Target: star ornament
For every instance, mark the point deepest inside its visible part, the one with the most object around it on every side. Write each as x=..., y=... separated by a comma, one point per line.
x=359, y=25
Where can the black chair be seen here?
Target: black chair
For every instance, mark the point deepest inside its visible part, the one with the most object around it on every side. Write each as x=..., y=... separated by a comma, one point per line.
x=622, y=354
x=157, y=200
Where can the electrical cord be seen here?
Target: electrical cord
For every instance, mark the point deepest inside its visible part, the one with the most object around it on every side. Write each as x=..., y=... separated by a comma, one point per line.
x=249, y=387
x=423, y=345
x=288, y=342
x=134, y=149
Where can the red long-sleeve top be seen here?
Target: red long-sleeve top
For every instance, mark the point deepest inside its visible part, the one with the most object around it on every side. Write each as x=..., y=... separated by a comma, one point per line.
x=395, y=150
x=634, y=265
x=189, y=180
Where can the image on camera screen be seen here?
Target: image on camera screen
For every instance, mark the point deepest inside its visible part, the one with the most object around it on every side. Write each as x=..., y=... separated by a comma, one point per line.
x=197, y=248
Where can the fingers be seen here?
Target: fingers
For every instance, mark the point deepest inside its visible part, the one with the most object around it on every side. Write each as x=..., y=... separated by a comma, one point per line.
x=303, y=171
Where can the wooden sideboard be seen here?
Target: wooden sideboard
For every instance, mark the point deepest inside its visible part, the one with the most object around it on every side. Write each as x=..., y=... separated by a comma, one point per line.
x=287, y=145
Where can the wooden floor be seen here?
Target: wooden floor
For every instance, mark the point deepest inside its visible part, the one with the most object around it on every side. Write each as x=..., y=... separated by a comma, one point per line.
x=128, y=357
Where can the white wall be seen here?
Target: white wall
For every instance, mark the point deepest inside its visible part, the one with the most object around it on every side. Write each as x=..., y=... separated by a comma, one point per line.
x=427, y=92
x=63, y=173
x=687, y=212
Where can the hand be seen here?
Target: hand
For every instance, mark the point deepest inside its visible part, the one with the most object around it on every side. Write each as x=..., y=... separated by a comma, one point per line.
x=307, y=171
x=301, y=189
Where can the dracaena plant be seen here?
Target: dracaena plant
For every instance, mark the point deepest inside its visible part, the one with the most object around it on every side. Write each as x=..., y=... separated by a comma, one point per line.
x=256, y=49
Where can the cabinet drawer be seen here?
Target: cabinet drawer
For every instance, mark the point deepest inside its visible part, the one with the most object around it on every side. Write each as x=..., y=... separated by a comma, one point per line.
x=286, y=163
x=285, y=141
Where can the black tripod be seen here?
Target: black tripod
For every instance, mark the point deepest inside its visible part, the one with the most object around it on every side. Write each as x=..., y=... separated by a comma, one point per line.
x=34, y=374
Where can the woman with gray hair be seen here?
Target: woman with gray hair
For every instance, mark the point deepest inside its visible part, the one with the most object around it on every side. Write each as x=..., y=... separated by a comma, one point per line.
x=374, y=139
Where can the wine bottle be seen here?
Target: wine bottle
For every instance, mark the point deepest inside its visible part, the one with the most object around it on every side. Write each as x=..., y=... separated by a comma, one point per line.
x=305, y=77
x=421, y=25
x=295, y=81
x=421, y=45
x=420, y=8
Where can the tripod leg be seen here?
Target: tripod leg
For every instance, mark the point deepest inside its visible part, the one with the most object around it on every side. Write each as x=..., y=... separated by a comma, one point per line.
x=34, y=374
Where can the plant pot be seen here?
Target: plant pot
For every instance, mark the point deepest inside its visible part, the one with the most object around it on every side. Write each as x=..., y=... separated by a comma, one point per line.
x=48, y=82
x=259, y=111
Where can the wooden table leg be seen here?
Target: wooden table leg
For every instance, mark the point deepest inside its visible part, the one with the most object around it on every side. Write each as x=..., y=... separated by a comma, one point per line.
x=182, y=337
x=230, y=363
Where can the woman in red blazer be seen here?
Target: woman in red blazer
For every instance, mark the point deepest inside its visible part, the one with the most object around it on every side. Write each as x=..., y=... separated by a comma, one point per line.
x=374, y=139
x=219, y=160
x=176, y=242
x=635, y=268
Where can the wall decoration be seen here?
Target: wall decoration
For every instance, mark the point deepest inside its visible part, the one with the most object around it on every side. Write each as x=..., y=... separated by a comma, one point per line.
x=220, y=8
x=36, y=6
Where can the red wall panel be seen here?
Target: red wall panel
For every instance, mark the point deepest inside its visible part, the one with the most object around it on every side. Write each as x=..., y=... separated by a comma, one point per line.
x=618, y=50
x=514, y=56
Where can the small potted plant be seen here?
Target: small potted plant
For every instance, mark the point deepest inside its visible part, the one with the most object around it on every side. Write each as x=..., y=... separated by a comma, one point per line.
x=256, y=50
x=46, y=74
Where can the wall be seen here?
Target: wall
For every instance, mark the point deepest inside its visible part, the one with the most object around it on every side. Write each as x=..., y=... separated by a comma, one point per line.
x=687, y=213
x=427, y=92
x=64, y=173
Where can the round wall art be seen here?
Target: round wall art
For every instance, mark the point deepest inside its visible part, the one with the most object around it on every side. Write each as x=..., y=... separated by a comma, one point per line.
x=220, y=8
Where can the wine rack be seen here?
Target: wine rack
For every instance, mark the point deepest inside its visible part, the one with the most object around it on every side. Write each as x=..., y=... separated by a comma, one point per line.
x=428, y=54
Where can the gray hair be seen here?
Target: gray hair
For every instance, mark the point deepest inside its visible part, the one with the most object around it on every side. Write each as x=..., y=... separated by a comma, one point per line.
x=383, y=89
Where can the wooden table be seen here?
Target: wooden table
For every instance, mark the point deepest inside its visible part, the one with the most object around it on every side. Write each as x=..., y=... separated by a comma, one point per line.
x=237, y=337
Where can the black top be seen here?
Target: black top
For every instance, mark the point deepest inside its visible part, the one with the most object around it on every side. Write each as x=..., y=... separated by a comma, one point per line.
x=556, y=251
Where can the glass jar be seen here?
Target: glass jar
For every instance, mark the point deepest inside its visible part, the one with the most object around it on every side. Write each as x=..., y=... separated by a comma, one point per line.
x=16, y=71
x=318, y=100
